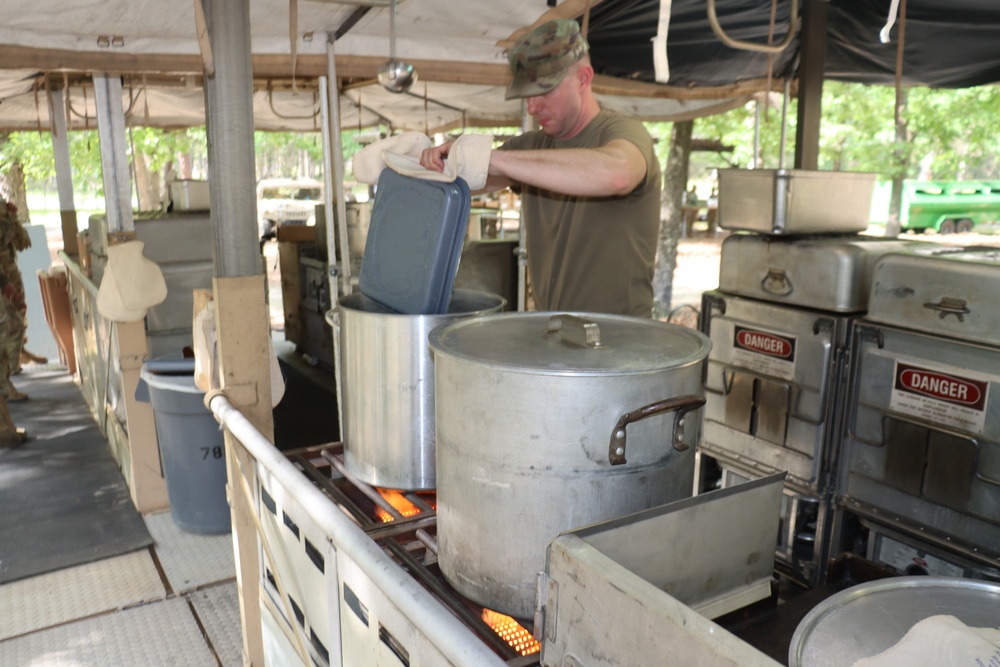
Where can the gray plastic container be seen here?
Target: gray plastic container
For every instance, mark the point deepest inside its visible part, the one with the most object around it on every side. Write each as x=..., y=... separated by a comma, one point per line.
x=414, y=243
x=192, y=449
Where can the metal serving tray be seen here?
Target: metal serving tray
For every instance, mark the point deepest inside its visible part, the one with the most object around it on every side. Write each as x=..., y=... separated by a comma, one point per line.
x=951, y=291
x=643, y=586
x=794, y=201
x=830, y=272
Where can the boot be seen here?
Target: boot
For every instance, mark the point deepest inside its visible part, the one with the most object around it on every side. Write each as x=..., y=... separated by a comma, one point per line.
x=10, y=393
x=10, y=436
x=28, y=358
x=12, y=439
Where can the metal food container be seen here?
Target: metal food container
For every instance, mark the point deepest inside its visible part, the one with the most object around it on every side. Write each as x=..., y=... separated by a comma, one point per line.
x=794, y=201
x=945, y=290
x=548, y=422
x=921, y=446
x=388, y=387
x=821, y=272
x=864, y=620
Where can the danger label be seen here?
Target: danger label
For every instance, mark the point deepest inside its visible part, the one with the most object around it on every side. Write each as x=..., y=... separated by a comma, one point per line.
x=765, y=352
x=946, y=396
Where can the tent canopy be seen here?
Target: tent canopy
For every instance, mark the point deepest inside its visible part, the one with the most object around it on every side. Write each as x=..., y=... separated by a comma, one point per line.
x=458, y=51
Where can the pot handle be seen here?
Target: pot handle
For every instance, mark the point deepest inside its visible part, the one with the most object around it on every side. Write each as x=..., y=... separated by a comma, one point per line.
x=575, y=330
x=681, y=404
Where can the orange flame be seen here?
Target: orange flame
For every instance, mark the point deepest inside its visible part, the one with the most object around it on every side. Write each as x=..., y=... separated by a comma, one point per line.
x=400, y=503
x=511, y=632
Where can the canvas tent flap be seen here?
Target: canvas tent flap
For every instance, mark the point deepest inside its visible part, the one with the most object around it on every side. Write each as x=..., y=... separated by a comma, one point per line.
x=460, y=57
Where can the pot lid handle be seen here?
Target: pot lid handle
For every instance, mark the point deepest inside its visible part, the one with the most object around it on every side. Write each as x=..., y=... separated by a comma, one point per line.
x=681, y=404
x=575, y=330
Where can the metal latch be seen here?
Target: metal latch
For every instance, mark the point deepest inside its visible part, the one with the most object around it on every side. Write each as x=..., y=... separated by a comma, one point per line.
x=777, y=282
x=950, y=306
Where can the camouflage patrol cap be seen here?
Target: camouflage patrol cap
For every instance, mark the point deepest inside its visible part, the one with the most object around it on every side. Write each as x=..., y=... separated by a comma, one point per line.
x=540, y=59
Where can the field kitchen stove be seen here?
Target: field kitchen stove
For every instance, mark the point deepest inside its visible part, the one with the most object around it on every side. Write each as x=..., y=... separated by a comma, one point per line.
x=358, y=569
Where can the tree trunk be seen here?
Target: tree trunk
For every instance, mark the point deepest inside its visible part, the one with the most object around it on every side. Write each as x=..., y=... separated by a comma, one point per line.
x=675, y=178
x=12, y=187
x=147, y=184
x=901, y=160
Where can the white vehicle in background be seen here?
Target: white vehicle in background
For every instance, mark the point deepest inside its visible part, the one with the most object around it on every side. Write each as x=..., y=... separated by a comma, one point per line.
x=285, y=201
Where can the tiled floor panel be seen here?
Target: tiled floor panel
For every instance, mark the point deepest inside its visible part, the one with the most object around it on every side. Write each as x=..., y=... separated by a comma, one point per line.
x=218, y=609
x=158, y=634
x=190, y=561
x=122, y=611
x=78, y=592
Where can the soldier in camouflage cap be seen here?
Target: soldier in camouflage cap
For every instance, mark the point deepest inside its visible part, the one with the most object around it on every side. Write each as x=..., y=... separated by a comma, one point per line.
x=541, y=58
x=588, y=180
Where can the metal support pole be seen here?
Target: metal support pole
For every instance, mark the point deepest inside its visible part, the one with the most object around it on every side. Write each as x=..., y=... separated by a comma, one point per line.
x=527, y=124
x=114, y=156
x=756, y=136
x=60, y=149
x=239, y=287
x=811, y=73
x=337, y=157
x=229, y=120
x=64, y=171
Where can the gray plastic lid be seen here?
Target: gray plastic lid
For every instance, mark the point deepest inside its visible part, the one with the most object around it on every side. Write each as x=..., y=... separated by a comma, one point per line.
x=414, y=243
x=570, y=343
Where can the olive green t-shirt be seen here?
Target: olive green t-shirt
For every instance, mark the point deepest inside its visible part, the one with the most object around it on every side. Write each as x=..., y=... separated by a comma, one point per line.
x=593, y=254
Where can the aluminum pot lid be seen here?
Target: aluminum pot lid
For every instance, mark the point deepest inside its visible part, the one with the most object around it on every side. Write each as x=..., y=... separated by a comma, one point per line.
x=570, y=343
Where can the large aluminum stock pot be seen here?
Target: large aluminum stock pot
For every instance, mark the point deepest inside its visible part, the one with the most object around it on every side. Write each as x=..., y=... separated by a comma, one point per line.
x=548, y=422
x=387, y=380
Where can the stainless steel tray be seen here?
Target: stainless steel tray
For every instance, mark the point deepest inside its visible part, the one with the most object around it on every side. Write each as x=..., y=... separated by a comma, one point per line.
x=867, y=619
x=794, y=201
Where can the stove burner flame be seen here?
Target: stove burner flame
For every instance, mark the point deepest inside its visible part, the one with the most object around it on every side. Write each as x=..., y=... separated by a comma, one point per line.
x=511, y=632
x=401, y=504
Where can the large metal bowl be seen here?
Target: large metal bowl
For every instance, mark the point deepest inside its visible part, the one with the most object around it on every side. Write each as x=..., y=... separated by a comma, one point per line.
x=867, y=619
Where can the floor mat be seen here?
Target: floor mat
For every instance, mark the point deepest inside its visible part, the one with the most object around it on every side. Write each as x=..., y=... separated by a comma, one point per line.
x=63, y=501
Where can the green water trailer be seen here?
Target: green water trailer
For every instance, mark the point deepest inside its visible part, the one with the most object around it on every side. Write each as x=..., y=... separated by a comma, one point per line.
x=949, y=207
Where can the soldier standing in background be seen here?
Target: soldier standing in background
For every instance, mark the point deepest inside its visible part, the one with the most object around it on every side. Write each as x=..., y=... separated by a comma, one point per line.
x=13, y=238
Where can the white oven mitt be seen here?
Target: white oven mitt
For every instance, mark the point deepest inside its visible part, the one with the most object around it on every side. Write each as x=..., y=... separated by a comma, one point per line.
x=469, y=158
x=940, y=641
x=131, y=284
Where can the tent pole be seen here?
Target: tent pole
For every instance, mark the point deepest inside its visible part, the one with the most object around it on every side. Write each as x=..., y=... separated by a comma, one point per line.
x=64, y=171
x=337, y=157
x=114, y=157
x=333, y=152
x=229, y=115
x=241, y=315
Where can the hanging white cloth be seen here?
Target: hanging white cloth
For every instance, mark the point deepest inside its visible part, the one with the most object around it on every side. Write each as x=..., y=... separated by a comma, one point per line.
x=661, y=68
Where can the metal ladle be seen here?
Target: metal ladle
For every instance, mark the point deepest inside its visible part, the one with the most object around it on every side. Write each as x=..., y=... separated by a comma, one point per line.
x=396, y=76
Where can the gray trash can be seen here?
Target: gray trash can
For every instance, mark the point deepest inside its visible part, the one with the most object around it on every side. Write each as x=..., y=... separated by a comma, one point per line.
x=192, y=449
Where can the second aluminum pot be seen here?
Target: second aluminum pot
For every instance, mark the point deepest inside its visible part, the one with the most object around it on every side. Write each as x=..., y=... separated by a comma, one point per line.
x=546, y=423
x=387, y=381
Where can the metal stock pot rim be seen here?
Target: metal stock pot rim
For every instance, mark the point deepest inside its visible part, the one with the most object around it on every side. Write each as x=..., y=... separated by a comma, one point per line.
x=576, y=344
